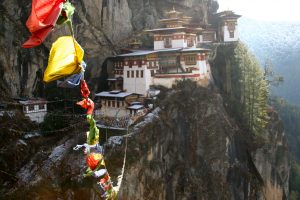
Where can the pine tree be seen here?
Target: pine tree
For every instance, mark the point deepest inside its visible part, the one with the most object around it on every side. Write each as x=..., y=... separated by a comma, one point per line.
x=252, y=90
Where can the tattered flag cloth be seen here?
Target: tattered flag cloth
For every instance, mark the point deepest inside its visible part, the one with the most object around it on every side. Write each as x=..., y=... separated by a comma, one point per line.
x=85, y=92
x=64, y=59
x=73, y=80
x=93, y=160
x=93, y=134
x=66, y=13
x=87, y=104
x=42, y=19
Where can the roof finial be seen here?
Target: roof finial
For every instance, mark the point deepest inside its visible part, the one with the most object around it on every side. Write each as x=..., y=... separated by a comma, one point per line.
x=173, y=5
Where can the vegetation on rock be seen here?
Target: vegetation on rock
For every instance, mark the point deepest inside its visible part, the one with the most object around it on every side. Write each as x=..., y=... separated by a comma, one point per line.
x=244, y=86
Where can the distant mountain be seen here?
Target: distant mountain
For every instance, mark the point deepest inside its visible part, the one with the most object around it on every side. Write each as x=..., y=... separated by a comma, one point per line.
x=279, y=42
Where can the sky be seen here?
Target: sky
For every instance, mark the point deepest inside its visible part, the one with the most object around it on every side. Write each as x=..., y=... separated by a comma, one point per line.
x=269, y=10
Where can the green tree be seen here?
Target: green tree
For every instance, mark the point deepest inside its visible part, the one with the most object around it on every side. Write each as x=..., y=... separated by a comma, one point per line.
x=251, y=89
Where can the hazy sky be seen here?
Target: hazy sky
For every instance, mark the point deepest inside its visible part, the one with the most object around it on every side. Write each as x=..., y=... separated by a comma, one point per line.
x=274, y=10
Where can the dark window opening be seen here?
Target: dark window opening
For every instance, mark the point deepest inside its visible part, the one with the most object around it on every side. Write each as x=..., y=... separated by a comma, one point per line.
x=152, y=73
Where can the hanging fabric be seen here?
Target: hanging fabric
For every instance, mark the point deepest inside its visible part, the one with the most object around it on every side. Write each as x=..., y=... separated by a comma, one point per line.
x=96, y=168
x=87, y=104
x=66, y=13
x=93, y=134
x=73, y=80
x=85, y=92
x=64, y=59
x=43, y=17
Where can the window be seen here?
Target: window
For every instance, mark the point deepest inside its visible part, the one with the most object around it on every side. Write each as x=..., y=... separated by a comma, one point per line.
x=150, y=64
x=190, y=42
x=142, y=74
x=132, y=74
x=168, y=42
x=113, y=104
x=231, y=34
x=109, y=104
x=152, y=73
x=42, y=106
x=190, y=60
x=130, y=64
x=30, y=107
x=137, y=73
x=128, y=74
x=118, y=104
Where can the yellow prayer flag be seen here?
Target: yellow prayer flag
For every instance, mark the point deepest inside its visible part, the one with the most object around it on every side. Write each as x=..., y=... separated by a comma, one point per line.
x=63, y=59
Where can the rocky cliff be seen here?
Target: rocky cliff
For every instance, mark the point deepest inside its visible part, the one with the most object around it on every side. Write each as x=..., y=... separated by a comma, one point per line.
x=102, y=27
x=187, y=148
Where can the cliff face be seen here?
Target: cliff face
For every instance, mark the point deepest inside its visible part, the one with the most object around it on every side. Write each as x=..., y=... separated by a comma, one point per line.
x=102, y=27
x=194, y=150
x=268, y=150
x=188, y=148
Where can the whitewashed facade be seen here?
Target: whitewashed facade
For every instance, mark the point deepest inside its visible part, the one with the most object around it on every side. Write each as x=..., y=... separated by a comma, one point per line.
x=176, y=54
x=116, y=104
x=228, y=26
x=36, y=110
x=230, y=36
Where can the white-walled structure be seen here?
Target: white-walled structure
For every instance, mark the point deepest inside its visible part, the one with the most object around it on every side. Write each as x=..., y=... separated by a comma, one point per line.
x=228, y=26
x=36, y=110
x=141, y=69
x=176, y=54
x=114, y=104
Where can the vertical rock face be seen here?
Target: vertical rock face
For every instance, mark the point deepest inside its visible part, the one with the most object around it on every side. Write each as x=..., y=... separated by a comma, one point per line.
x=17, y=66
x=268, y=153
x=183, y=153
x=272, y=161
x=194, y=150
x=102, y=27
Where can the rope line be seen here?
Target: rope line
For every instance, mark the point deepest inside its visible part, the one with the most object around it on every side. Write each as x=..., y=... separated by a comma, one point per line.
x=54, y=131
x=70, y=25
x=120, y=177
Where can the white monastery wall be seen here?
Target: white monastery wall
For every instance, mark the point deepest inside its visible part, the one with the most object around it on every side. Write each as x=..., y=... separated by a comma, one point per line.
x=178, y=43
x=159, y=45
x=138, y=79
x=37, y=116
x=227, y=34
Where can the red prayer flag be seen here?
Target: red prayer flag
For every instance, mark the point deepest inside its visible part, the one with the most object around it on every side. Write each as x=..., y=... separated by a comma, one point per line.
x=85, y=92
x=87, y=104
x=42, y=19
x=93, y=160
